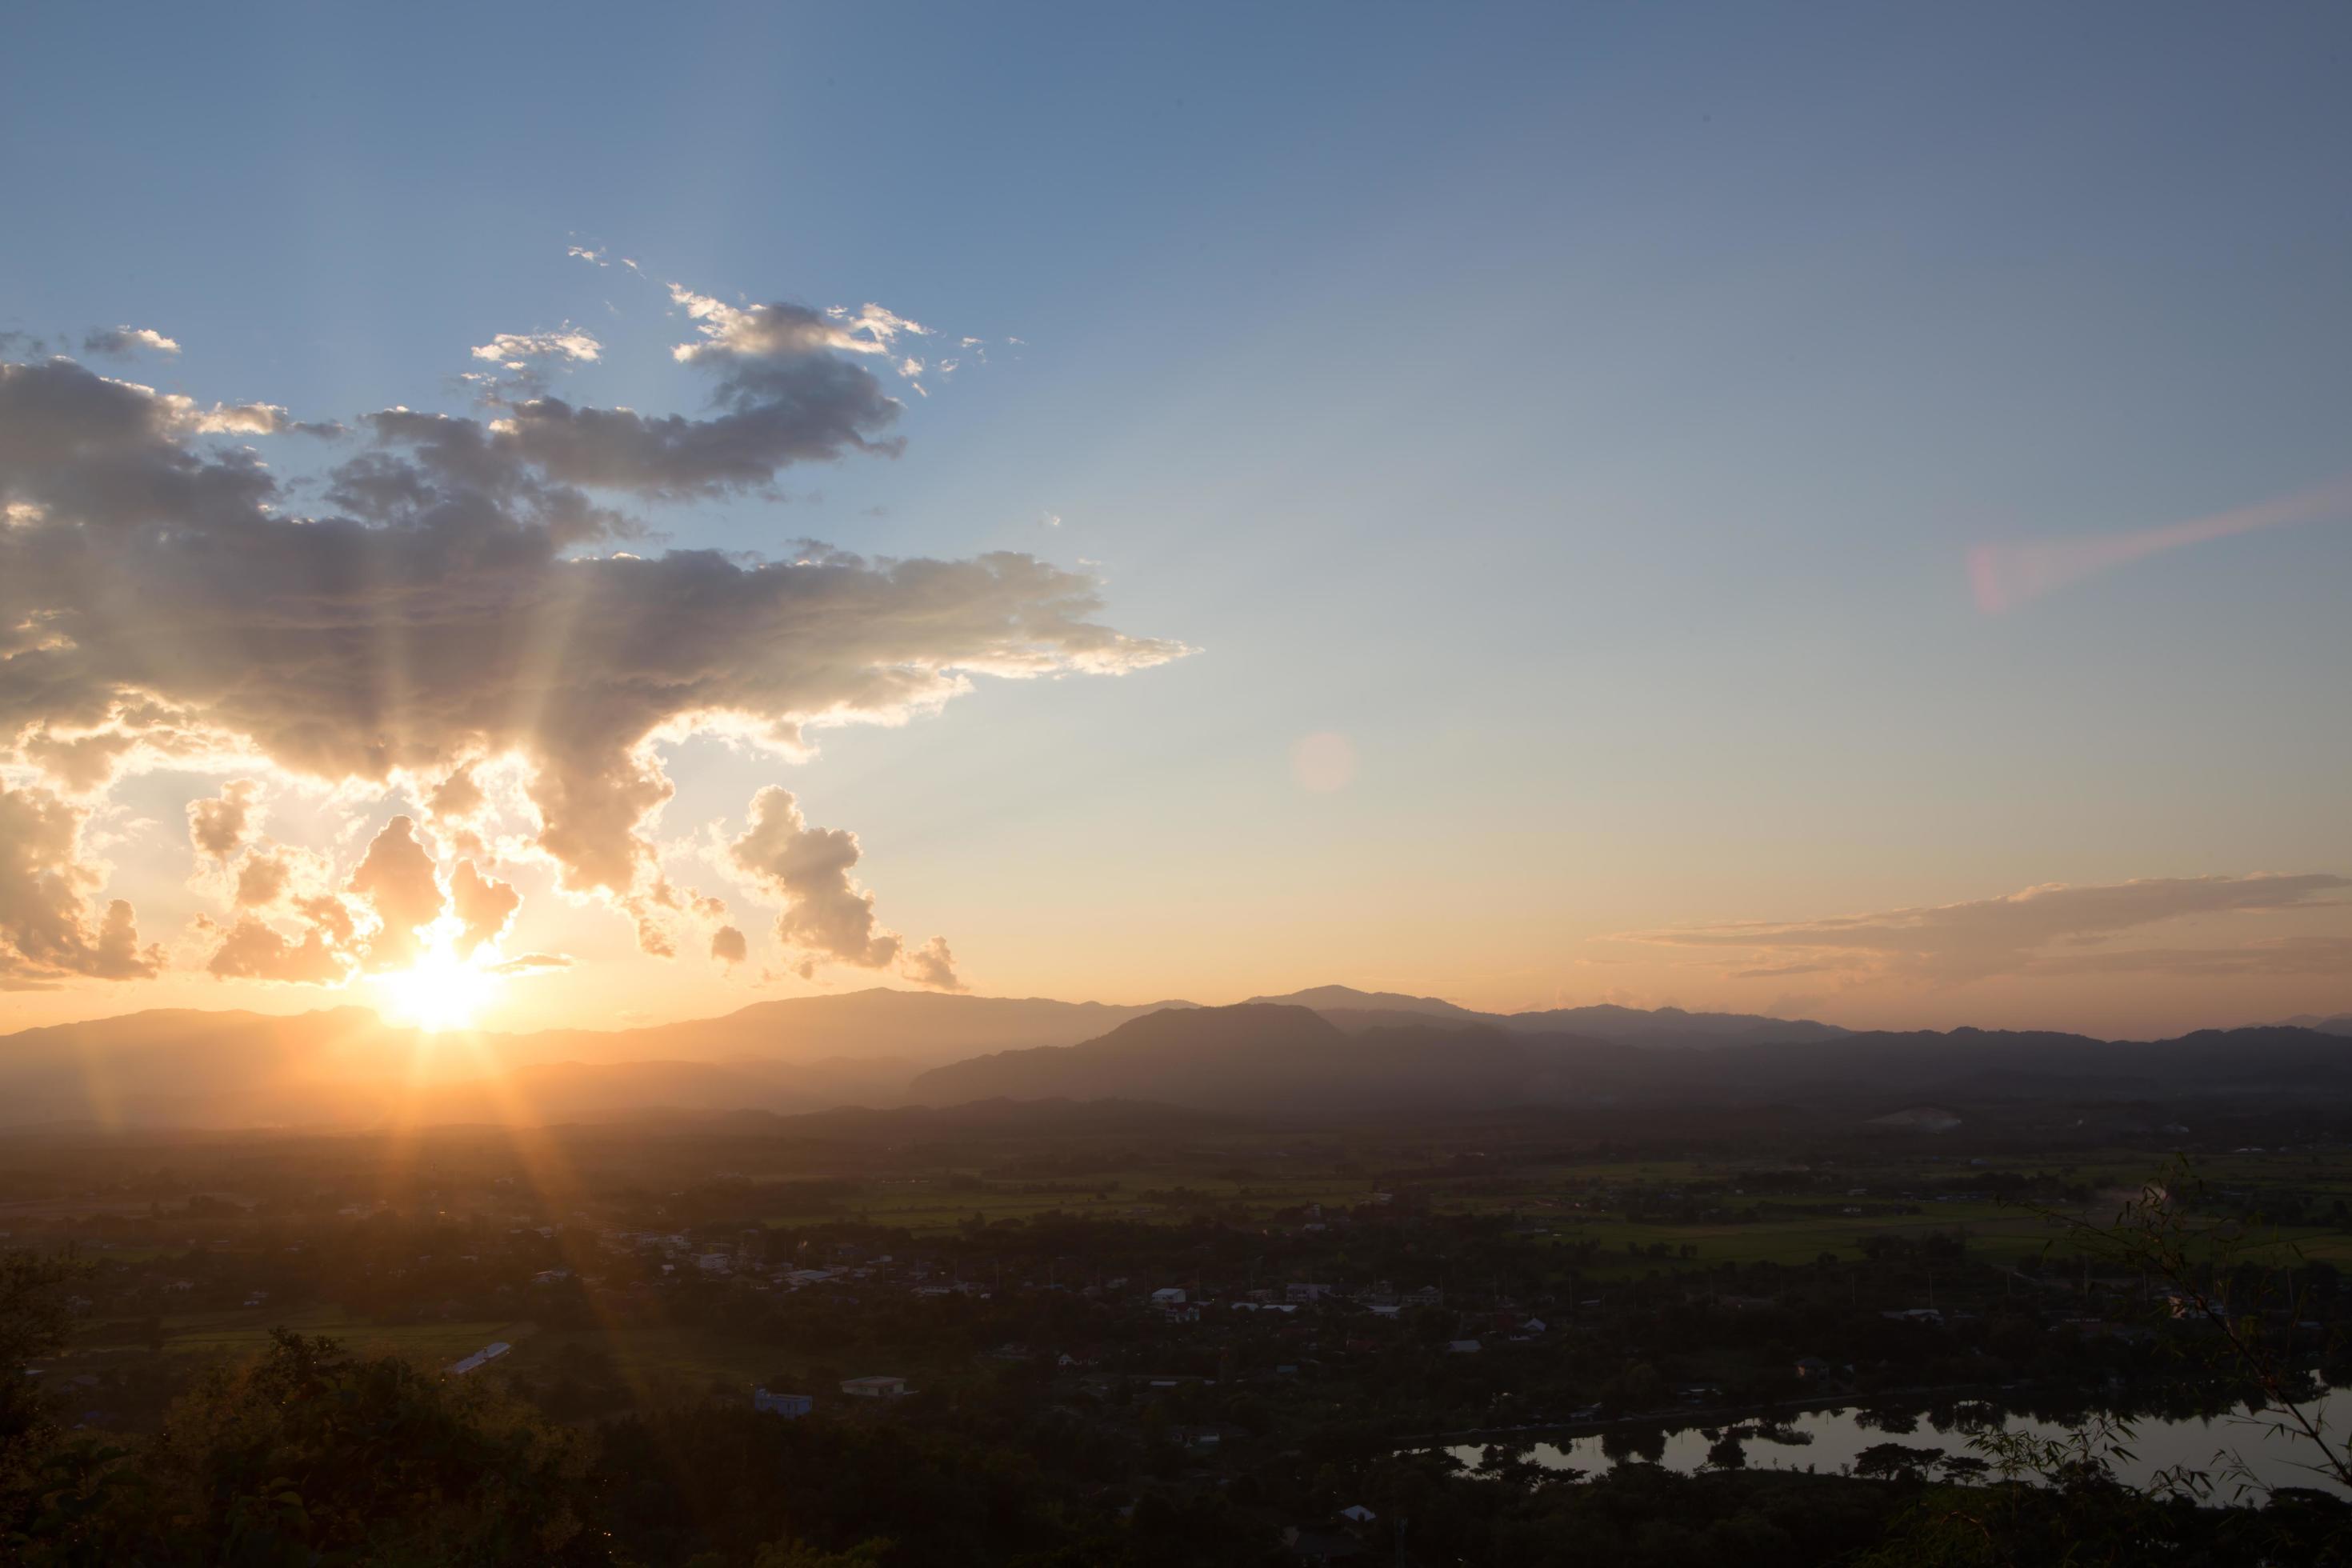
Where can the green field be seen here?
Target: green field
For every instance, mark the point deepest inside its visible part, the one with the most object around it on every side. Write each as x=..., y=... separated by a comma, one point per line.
x=239, y=1333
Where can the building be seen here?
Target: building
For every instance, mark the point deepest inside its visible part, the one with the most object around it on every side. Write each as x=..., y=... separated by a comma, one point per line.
x=875, y=1387
x=481, y=1358
x=789, y=1405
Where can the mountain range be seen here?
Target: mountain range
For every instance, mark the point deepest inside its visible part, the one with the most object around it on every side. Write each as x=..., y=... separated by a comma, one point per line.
x=1330, y=1047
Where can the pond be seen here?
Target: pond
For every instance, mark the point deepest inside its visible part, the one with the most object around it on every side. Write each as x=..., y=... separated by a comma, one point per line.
x=2176, y=1437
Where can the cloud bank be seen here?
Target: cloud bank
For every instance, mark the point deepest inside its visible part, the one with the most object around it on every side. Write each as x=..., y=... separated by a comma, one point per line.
x=457, y=603
x=2053, y=929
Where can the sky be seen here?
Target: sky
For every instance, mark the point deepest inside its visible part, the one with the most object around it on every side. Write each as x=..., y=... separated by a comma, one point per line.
x=540, y=515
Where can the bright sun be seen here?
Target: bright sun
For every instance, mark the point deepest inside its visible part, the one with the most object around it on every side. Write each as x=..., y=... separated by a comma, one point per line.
x=441, y=990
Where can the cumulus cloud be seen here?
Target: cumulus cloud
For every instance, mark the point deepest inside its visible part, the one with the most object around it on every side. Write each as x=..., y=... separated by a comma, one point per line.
x=396, y=879
x=931, y=965
x=217, y=827
x=125, y=341
x=483, y=905
x=514, y=350
x=262, y=880
x=453, y=603
x=826, y=915
x=728, y=946
x=253, y=948
x=2053, y=929
x=49, y=932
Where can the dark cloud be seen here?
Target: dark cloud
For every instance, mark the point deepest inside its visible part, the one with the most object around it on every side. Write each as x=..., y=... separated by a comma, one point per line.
x=728, y=946
x=217, y=827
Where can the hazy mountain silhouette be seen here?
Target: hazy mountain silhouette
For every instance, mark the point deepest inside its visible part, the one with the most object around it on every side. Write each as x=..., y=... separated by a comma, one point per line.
x=921, y=1027
x=1272, y=1057
x=1359, y=1010
x=1251, y=1055
x=883, y=1047
x=202, y=1068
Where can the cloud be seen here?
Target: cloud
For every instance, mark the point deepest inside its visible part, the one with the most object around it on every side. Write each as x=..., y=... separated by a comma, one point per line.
x=2046, y=930
x=47, y=931
x=2270, y=956
x=484, y=907
x=447, y=601
x=82, y=765
x=826, y=915
x=524, y=963
x=217, y=827
x=262, y=880
x=253, y=948
x=2005, y=575
x=931, y=965
x=123, y=341
x=513, y=350
x=396, y=880
x=728, y=946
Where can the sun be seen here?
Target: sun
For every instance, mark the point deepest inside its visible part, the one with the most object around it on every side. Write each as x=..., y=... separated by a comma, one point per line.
x=439, y=992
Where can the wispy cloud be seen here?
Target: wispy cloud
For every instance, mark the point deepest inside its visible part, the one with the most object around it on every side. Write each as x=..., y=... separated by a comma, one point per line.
x=2005, y=575
x=2053, y=929
x=121, y=342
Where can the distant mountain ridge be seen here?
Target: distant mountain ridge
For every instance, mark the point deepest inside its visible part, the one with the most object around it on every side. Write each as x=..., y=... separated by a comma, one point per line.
x=1330, y=1045
x=1359, y=1010
x=1272, y=1057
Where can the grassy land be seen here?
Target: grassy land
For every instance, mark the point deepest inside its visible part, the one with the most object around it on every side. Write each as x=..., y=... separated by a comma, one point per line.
x=237, y=1333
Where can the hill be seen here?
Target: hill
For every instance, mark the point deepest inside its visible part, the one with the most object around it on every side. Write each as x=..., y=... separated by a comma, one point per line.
x=1270, y=1056
x=345, y=1065
x=1359, y=1010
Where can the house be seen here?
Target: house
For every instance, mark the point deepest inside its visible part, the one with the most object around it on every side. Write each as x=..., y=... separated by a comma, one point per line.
x=1427, y=1296
x=1304, y=1293
x=481, y=1358
x=1169, y=1296
x=789, y=1405
x=1358, y=1515
x=715, y=1263
x=875, y=1387
x=1927, y=1315
x=1463, y=1347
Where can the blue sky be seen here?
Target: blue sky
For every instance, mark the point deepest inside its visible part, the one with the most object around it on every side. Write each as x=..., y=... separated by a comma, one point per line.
x=1586, y=412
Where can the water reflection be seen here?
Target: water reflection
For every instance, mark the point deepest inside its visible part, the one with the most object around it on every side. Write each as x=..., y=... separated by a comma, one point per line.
x=2171, y=1432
